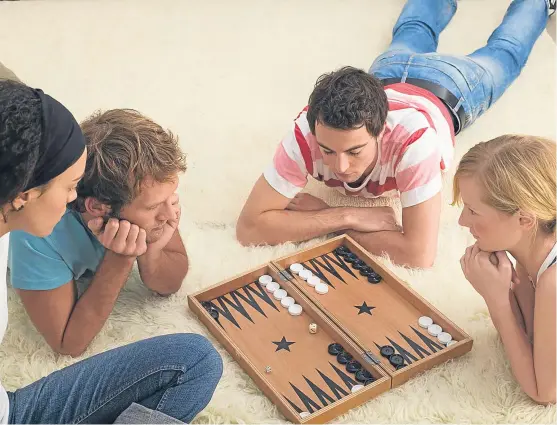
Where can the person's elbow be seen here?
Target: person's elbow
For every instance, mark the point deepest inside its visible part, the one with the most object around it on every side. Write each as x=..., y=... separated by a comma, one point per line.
x=73, y=351
x=76, y=353
x=248, y=232
x=421, y=261
x=420, y=257
x=242, y=232
x=544, y=401
x=173, y=284
x=544, y=398
x=170, y=289
x=168, y=284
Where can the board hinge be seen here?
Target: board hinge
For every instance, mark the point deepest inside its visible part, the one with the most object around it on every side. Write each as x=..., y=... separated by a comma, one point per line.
x=285, y=275
x=370, y=357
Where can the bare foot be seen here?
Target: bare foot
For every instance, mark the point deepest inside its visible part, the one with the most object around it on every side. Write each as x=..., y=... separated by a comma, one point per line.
x=306, y=202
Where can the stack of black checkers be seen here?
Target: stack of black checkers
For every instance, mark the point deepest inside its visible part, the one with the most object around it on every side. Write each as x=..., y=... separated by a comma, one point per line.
x=358, y=264
x=396, y=360
x=211, y=309
x=352, y=366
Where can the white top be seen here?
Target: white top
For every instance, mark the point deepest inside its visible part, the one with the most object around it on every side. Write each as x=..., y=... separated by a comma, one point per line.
x=4, y=405
x=548, y=262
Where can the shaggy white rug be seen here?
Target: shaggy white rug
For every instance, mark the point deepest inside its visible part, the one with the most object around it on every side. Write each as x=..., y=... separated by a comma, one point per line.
x=228, y=78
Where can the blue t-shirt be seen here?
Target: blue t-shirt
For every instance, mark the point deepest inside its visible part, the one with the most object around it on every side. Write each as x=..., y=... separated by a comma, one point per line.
x=69, y=252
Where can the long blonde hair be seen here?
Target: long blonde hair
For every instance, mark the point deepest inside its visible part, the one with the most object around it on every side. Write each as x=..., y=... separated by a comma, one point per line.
x=517, y=173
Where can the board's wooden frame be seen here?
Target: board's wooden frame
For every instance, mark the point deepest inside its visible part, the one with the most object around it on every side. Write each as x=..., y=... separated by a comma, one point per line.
x=385, y=377
x=463, y=345
x=382, y=381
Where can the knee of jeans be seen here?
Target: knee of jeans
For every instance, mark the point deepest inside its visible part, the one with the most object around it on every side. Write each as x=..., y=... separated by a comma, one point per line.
x=510, y=52
x=208, y=352
x=196, y=347
x=214, y=362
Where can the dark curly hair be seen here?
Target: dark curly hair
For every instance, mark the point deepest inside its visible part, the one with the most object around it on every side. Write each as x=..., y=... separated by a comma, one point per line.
x=20, y=138
x=348, y=98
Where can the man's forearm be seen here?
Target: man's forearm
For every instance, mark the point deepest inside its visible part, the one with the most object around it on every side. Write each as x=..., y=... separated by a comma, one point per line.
x=396, y=245
x=163, y=271
x=278, y=226
x=95, y=305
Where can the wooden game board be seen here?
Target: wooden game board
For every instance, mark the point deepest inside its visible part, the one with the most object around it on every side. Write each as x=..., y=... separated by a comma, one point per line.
x=308, y=384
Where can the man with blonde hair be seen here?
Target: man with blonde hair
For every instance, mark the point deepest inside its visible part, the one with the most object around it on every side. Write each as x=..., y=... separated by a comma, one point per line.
x=126, y=211
x=44, y=156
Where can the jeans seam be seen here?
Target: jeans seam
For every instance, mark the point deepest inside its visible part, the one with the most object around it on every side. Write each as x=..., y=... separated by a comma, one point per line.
x=161, y=402
x=471, y=87
x=125, y=387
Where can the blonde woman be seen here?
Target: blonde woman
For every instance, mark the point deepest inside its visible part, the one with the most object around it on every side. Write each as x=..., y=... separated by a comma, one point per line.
x=507, y=186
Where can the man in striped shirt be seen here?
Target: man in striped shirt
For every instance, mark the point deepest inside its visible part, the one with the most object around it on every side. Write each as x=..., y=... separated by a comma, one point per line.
x=389, y=132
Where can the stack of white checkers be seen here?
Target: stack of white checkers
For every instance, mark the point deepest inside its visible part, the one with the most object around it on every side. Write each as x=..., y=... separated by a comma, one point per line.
x=435, y=330
x=313, y=281
x=280, y=294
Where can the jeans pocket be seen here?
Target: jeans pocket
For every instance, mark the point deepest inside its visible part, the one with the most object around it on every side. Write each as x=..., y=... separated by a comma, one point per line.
x=459, y=68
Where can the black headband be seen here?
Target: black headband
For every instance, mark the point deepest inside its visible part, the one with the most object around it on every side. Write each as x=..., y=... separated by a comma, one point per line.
x=62, y=142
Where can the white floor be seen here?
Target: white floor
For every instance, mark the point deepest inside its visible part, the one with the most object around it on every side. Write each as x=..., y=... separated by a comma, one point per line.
x=228, y=78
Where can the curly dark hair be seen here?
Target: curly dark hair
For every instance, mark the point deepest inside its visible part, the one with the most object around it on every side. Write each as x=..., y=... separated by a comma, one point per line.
x=20, y=137
x=348, y=98
x=123, y=148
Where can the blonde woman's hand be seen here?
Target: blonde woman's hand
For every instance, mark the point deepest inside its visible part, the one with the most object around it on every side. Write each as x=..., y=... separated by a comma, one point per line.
x=491, y=281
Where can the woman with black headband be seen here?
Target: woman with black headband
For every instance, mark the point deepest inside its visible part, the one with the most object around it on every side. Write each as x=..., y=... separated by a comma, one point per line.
x=42, y=158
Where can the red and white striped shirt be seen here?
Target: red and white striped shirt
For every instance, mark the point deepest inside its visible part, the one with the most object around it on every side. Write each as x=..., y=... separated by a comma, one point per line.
x=417, y=146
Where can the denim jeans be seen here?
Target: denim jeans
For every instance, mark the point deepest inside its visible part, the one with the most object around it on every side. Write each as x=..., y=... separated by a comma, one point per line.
x=174, y=375
x=477, y=80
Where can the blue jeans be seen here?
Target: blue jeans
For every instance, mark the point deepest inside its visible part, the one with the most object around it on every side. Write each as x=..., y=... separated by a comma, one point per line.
x=477, y=80
x=172, y=374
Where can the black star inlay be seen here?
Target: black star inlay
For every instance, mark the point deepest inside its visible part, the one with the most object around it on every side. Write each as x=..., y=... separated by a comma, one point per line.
x=283, y=344
x=364, y=308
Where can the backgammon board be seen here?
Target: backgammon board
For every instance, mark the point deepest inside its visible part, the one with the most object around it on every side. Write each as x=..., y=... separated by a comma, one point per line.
x=326, y=329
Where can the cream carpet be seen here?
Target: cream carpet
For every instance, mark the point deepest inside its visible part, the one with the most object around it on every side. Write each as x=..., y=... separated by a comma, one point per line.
x=228, y=77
